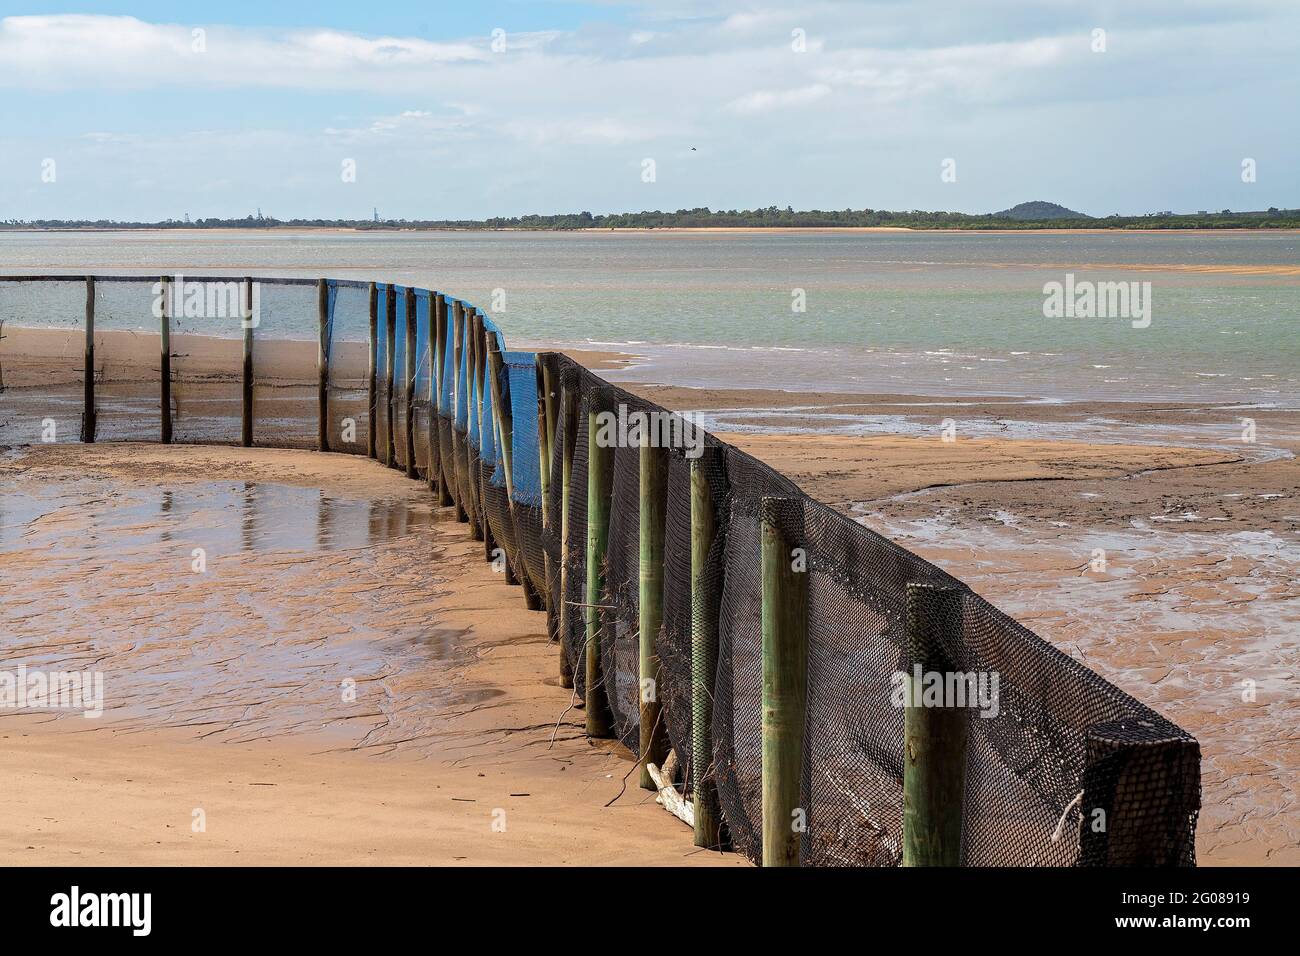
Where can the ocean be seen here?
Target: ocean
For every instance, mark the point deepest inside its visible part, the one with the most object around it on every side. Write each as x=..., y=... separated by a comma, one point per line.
x=880, y=312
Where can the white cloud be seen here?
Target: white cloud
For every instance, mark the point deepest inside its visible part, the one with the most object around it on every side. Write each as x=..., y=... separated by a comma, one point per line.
x=764, y=100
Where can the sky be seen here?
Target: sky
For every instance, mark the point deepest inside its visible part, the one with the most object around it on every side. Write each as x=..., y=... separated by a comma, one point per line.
x=150, y=110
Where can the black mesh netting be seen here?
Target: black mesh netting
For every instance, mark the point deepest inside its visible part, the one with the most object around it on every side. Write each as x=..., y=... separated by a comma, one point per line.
x=1061, y=742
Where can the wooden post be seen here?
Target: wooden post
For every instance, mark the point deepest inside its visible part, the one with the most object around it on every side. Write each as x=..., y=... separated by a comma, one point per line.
x=650, y=601
x=704, y=658
x=600, y=474
x=544, y=469
x=934, y=752
x=473, y=389
x=88, y=403
x=435, y=376
x=445, y=461
x=390, y=327
x=323, y=366
x=246, y=405
x=785, y=670
x=457, y=402
x=165, y=378
x=410, y=383
x=568, y=409
x=371, y=367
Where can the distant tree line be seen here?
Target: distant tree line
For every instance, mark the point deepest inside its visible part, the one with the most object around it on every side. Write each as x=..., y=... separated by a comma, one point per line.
x=703, y=217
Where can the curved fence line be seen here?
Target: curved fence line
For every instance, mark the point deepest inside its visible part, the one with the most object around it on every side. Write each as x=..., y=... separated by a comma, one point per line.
x=795, y=685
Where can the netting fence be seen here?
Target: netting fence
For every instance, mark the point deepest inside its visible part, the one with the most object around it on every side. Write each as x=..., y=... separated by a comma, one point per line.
x=1063, y=769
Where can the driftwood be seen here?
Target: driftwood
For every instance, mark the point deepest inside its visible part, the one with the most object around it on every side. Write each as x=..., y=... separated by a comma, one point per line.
x=668, y=797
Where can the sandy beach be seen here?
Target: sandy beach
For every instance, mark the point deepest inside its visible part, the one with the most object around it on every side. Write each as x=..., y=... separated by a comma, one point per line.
x=225, y=688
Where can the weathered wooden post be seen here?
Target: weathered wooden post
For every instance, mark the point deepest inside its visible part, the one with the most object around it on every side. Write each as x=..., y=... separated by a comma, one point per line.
x=390, y=355
x=323, y=365
x=544, y=473
x=934, y=737
x=650, y=601
x=165, y=378
x=458, y=402
x=785, y=680
x=446, y=463
x=487, y=421
x=246, y=390
x=410, y=383
x=704, y=656
x=600, y=475
x=371, y=367
x=88, y=398
x=473, y=418
x=435, y=376
x=569, y=413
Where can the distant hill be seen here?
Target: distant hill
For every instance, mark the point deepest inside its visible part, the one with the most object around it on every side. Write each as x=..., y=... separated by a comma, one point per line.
x=1033, y=211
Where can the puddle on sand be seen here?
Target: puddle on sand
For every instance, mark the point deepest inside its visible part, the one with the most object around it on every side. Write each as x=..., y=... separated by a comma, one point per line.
x=221, y=517
x=239, y=609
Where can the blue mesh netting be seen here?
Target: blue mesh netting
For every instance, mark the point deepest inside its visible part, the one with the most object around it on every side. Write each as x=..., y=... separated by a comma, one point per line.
x=521, y=369
x=424, y=358
x=462, y=380
x=444, y=398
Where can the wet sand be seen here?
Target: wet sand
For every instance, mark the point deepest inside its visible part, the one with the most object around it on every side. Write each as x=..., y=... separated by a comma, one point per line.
x=1200, y=535
x=225, y=689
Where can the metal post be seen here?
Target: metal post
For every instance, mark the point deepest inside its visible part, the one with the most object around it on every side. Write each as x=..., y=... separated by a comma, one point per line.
x=165, y=378
x=88, y=403
x=323, y=366
x=246, y=397
x=371, y=367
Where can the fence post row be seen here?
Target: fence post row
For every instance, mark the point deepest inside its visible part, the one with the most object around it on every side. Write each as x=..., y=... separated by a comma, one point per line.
x=704, y=656
x=88, y=369
x=165, y=376
x=323, y=365
x=785, y=688
x=934, y=738
x=600, y=474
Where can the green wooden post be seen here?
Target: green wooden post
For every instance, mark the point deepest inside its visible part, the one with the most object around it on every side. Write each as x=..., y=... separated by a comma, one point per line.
x=371, y=367
x=323, y=366
x=600, y=475
x=934, y=755
x=785, y=688
x=88, y=404
x=165, y=378
x=246, y=392
x=569, y=412
x=650, y=601
x=410, y=383
x=390, y=328
x=704, y=658
x=544, y=470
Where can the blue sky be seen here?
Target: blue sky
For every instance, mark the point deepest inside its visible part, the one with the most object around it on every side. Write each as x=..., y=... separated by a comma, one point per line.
x=122, y=110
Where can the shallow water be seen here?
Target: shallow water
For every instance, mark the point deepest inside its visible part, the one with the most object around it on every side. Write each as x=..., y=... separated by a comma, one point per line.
x=889, y=312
